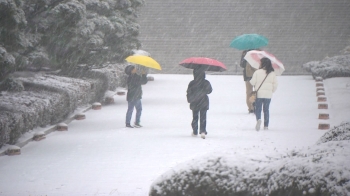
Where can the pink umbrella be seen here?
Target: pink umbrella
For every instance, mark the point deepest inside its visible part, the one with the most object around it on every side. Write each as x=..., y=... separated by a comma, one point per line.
x=204, y=63
x=253, y=57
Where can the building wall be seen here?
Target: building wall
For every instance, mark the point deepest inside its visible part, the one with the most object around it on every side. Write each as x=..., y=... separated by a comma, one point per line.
x=299, y=31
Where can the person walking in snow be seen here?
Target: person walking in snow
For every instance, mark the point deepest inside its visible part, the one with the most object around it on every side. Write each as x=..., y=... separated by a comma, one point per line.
x=248, y=72
x=134, y=95
x=199, y=101
x=265, y=77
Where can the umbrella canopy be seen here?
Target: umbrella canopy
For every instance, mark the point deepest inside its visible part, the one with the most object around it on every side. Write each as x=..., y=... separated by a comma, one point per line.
x=249, y=41
x=141, y=52
x=144, y=61
x=207, y=64
x=254, y=57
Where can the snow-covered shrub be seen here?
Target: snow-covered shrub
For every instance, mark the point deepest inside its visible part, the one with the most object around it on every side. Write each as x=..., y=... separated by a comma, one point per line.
x=12, y=85
x=103, y=24
x=7, y=63
x=337, y=66
x=47, y=99
x=95, y=41
x=100, y=7
x=23, y=111
x=319, y=170
x=68, y=13
x=124, y=3
x=73, y=89
x=338, y=133
x=133, y=28
x=37, y=61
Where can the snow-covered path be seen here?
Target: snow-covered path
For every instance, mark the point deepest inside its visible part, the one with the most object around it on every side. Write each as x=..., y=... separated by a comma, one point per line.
x=99, y=156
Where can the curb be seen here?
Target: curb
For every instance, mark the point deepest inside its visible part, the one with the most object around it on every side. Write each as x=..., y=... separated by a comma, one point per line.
x=322, y=104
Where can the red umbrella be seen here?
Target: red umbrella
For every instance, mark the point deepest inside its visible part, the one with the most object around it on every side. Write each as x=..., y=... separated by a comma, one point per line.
x=207, y=64
x=254, y=59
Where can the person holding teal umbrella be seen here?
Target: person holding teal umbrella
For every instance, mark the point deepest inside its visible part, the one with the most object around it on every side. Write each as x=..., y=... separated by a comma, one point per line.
x=248, y=72
x=247, y=42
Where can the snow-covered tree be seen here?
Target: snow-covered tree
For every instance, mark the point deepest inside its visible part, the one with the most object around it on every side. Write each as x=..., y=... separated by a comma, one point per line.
x=12, y=38
x=110, y=30
x=58, y=34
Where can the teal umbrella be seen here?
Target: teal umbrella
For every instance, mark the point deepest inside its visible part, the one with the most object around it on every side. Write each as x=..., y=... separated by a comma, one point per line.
x=249, y=41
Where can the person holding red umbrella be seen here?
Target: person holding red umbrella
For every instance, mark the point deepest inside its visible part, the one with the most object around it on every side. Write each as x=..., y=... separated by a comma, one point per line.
x=197, y=95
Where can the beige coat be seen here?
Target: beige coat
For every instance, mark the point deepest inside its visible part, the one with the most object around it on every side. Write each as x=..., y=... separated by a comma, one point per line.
x=268, y=87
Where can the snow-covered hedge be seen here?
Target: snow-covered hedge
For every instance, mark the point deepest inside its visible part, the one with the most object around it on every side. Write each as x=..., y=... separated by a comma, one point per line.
x=322, y=169
x=47, y=99
x=337, y=66
x=338, y=133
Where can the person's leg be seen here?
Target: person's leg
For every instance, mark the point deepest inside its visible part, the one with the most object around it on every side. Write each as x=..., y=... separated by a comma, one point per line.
x=138, y=106
x=131, y=105
x=266, y=109
x=203, y=121
x=195, y=121
x=249, y=90
x=258, y=107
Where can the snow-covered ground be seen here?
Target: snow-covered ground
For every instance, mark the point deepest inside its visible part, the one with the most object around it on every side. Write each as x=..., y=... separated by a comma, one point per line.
x=99, y=156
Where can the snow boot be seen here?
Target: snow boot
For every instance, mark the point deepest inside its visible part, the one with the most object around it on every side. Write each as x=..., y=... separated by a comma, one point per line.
x=203, y=135
x=137, y=125
x=129, y=126
x=257, y=126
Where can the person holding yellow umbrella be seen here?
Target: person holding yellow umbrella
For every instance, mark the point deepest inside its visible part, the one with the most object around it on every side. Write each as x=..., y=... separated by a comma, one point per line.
x=134, y=82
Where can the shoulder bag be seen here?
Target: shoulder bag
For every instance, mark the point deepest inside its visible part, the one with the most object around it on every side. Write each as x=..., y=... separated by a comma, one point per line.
x=254, y=94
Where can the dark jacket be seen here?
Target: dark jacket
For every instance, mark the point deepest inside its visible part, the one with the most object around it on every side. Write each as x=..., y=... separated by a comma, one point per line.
x=134, y=83
x=197, y=92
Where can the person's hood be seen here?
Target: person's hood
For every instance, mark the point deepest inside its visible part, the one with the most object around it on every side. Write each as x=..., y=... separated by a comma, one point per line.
x=128, y=69
x=198, y=74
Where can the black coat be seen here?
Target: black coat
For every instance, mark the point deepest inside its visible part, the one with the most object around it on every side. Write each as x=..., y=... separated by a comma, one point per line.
x=197, y=92
x=134, y=83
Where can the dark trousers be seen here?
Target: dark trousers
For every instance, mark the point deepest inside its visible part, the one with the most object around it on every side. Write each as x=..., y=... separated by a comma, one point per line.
x=202, y=115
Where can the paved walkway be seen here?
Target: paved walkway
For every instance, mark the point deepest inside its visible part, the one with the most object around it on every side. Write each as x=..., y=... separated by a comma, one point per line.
x=99, y=156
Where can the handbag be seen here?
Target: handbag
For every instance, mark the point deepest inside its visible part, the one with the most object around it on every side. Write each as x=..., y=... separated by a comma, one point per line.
x=254, y=94
x=252, y=97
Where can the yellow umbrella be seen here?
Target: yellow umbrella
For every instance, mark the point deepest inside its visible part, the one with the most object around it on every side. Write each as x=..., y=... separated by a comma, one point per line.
x=144, y=61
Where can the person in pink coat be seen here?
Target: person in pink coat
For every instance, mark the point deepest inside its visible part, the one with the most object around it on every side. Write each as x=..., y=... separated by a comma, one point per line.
x=265, y=92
